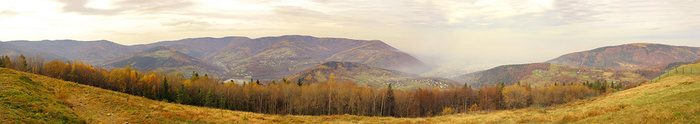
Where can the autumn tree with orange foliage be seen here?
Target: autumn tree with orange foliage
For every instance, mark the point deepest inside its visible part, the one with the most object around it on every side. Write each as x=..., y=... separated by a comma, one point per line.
x=309, y=98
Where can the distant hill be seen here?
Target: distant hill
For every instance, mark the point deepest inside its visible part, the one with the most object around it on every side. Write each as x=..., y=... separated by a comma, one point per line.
x=196, y=47
x=629, y=56
x=272, y=57
x=364, y=75
x=93, y=52
x=379, y=54
x=14, y=51
x=539, y=74
x=163, y=59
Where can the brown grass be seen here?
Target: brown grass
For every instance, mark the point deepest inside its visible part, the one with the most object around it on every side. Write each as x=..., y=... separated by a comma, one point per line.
x=649, y=103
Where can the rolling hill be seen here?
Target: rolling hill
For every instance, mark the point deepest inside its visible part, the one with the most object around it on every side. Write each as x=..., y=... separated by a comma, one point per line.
x=29, y=98
x=539, y=74
x=13, y=50
x=629, y=56
x=196, y=47
x=163, y=59
x=93, y=52
x=364, y=75
x=274, y=57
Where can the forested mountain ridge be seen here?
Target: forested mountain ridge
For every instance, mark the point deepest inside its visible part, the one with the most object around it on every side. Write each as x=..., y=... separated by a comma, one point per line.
x=540, y=74
x=7, y=48
x=163, y=59
x=94, y=52
x=286, y=55
x=628, y=63
x=197, y=47
x=237, y=57
x=629, y=56
x=364, y=75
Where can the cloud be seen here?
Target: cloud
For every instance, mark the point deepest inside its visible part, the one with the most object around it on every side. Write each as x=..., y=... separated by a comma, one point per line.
x=300, y=13
x=5, y=13
x=187, y=25
x=468, y=31
x=101, y=7
x=78, y=6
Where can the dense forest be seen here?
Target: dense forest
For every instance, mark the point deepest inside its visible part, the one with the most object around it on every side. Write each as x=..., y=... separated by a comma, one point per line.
x=307, y=98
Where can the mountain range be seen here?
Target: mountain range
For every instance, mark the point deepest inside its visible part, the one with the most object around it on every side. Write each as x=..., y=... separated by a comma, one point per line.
x=163, y=59
x=629, y=56
x=628, y=63
x=541, y=74
x=230, y=57
x=372, y=62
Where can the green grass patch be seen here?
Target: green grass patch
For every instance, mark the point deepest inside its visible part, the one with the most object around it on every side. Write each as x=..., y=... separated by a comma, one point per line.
x=27, y=101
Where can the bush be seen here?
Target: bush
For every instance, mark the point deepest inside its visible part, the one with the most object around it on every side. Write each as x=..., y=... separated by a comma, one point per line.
x=569, y=118
x=446, y=111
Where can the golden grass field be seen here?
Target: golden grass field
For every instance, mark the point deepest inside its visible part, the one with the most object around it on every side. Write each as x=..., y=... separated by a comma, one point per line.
x=29, y=98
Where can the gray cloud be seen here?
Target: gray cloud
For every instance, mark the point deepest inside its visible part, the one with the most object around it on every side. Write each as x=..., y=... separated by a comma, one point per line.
x=188, y=25
x=576, y=11
x=300, y=12
x=78, y=6
x=8, y=12
x=138, y=6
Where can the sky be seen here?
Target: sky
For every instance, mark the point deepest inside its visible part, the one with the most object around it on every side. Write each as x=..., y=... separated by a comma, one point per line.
x=469, y=33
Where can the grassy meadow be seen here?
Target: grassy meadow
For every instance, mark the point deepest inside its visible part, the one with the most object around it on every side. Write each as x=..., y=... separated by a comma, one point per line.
x=29, y=98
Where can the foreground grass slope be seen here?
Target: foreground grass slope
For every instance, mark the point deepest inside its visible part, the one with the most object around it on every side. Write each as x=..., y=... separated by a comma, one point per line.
x=29, y=98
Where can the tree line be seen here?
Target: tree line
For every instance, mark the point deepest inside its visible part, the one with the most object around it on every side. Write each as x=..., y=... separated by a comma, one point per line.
x=312, y=98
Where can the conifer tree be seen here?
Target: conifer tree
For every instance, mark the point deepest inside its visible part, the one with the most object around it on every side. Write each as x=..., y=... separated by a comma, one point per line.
x=165, y=90
x=222, y=102
x=209, y=100
x=2, y=59
x=7, y=62
x=299, y=82
x=182, y=96
x=199, y=99
x=22, y=64
x=390, y=102
x=195, y=76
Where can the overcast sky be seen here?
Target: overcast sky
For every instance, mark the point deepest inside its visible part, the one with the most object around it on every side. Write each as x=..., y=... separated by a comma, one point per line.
x=475, y=32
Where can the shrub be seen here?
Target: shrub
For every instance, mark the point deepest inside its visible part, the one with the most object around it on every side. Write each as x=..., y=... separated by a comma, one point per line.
x=569, y=118
x=446, y=111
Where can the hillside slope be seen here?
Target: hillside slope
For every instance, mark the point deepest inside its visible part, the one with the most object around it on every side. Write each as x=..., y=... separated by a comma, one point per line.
x=629, y=56
x=39, y=99
x=236, y=57
x=365, y=75
x=197, y=47
x=163, y=59
x=540, y=74
x=93, y=52
x=15, y=51
x=275, y=57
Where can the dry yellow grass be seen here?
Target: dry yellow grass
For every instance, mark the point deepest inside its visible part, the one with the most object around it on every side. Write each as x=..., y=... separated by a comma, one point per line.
x=670, y=100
